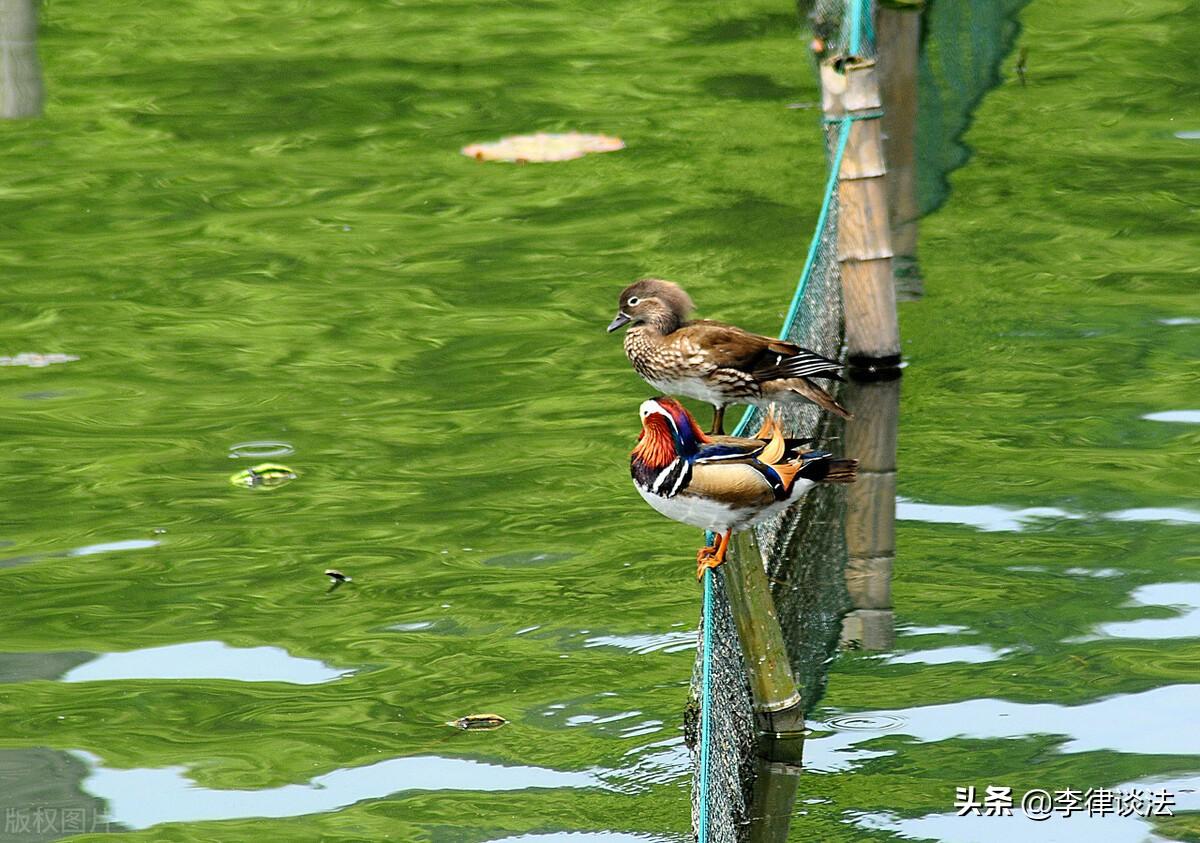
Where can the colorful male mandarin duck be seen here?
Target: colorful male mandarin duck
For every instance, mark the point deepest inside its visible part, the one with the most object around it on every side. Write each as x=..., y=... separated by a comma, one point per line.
x=722, y=484
x=714, y=362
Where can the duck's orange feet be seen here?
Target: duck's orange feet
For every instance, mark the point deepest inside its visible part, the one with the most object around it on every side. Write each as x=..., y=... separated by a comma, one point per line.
x=704, y=560
x=710, y=556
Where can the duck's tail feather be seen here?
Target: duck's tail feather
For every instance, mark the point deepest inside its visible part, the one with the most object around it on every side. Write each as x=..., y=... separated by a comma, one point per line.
x=823, y=467
x=809, y=391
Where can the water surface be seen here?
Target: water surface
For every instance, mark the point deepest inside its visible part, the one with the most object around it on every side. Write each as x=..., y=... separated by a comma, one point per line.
x=248, y=231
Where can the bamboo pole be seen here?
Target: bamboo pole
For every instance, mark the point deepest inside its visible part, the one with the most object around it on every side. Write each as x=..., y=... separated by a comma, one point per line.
x=899, y=42
x=850, y=88
x=777, y=701
x=871, y=511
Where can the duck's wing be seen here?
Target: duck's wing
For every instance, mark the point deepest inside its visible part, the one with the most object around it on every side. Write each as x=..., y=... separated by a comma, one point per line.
x=749, y=470
x=793, y=445
x=793, y=361
x=749, y=483
x=767, y=446
x=724, y=345
x=765, y=358
x=775, y=446
x=729, y=449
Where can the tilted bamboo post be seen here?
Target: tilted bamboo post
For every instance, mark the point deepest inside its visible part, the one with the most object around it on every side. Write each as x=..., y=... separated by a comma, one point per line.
x=850, y=88
x=898, y=36
x=20, y=73
x=871, y=511
x=777, y=703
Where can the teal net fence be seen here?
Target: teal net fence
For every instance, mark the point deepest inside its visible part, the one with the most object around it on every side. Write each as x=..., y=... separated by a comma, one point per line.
x=962, y=46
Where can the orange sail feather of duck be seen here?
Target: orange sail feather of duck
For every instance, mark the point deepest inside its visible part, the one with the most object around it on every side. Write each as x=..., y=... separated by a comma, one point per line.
x=777, y=446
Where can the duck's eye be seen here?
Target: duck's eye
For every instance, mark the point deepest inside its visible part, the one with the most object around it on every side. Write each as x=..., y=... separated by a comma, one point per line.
x=633, y=301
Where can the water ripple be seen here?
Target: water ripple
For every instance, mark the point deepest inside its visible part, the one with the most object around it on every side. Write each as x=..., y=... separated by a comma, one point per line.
x=1180, y=416
x=258, y=450
x=966, y=654
x=991, y=518
x=667, y=642
x=206, y=660
x=144, y=797
x=109, y=547
x=865, y=722
x=36, y=361
x=1088, y=727
x=586, y=837
x=1183, y=597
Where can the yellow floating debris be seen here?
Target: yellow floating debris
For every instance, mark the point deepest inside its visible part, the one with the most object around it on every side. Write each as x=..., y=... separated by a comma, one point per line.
x=542, y=147
x=266, y=475
x=478, y=721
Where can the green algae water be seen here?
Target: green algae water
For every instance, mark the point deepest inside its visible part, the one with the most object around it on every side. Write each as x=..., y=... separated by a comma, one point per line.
x=248, y=232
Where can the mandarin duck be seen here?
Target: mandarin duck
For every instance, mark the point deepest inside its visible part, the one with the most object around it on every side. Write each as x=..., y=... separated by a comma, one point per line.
x=714, y=362
x=726, y=483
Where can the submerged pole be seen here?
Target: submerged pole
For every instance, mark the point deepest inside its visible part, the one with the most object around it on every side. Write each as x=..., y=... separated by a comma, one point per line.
x=20, y=73
x=850, y=89
x=777, y=702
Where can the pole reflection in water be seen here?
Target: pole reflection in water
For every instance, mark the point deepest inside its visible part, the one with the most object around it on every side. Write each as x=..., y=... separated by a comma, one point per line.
x=776, y=784
x=871, y=513
x=899, y=42
x=20, y=72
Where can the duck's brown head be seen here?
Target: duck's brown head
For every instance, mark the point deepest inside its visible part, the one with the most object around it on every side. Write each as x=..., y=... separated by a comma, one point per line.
x=652, y=301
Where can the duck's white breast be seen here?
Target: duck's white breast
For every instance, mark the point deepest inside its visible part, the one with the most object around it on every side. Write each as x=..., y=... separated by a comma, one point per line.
x=713, y=515
x=690, y=509
x=691, y=388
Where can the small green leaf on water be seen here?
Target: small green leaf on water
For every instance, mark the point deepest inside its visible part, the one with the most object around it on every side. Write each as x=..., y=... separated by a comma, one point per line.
x=478, y=722
x=266, y=475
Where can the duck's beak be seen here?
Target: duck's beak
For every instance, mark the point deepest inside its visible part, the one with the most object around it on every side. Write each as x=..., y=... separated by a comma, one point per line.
x=621, y=320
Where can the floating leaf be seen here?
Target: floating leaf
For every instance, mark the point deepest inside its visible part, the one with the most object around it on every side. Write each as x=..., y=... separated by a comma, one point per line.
x=478, y=722
x=542, y=147
x=265, y=475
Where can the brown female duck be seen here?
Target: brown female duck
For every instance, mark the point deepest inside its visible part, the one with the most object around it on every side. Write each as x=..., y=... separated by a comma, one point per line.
x=714, y=362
